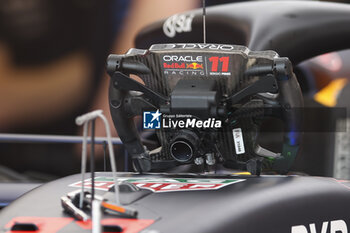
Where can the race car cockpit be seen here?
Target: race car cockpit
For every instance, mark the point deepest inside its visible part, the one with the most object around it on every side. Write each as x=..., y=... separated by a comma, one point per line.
x=206, y=103
x=294, y=30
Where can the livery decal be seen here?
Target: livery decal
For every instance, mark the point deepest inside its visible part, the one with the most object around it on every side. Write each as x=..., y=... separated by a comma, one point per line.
x=44, y=224
x=162, y=184
x=177, y=24
x=129, y=225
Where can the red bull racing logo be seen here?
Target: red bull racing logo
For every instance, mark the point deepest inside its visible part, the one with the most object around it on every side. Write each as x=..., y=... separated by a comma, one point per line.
x=194, y=66
x=184, y=65
x=174, y=65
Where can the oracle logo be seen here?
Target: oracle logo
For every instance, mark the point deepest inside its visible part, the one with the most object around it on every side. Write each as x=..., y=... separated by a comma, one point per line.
x=170, y=58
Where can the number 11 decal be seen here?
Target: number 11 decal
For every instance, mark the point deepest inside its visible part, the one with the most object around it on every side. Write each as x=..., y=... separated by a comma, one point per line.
x=215, y=63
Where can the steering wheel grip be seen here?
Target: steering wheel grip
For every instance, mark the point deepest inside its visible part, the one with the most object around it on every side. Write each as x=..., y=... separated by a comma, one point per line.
x=126, y=128
x=291, y=101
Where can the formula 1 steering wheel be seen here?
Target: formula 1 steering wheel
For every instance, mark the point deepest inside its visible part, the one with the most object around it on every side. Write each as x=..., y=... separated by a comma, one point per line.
x=205, y=83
